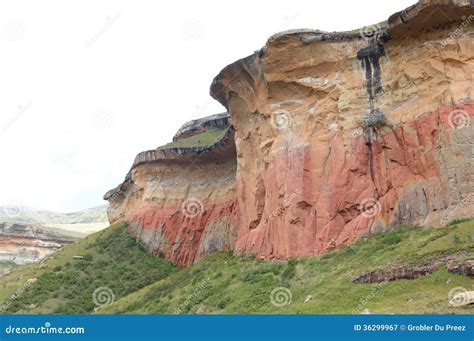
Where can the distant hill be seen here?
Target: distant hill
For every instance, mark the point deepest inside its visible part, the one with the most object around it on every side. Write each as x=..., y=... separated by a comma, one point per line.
x=28, y=235
x=32, y=216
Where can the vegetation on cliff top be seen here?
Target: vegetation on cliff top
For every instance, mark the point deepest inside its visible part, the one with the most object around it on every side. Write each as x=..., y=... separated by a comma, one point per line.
x=204, y=139
x=223, y=283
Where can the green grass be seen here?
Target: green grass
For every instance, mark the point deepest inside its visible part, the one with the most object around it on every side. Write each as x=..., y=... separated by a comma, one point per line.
x=227, y=284
x=223, y=283
x=205, y=139
x=112, y=259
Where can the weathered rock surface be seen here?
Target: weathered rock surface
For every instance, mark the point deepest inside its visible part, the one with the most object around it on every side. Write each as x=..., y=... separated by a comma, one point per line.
x=180, y=201
x=27, y=243
x=210, y=123
x=343, y=134
x=393, y=273
x=337, y=135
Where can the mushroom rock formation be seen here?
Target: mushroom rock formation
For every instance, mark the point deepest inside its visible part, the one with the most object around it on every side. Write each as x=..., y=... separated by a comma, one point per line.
x=343, y=134
x=337, y=135
x=179, y=200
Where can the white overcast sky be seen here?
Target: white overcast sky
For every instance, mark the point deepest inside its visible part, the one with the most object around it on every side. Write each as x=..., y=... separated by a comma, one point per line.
x=86, y=85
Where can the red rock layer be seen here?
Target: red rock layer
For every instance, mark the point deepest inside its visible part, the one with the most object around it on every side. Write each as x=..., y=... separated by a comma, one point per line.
x=307, y=180
x=314, y=197
x=180, y=203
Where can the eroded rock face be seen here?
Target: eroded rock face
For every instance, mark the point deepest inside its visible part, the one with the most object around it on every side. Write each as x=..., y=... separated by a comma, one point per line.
x=393, y=273
x=210, y=123
x=343, y=134
x=23, y=243
x=337, y=135
x=180, y=201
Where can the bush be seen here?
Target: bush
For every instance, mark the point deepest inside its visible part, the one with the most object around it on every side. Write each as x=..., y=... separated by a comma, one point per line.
x=124, y=270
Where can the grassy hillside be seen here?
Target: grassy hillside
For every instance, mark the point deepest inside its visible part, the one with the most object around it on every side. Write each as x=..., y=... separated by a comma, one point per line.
x=223, y=283
x=226, y=284
x=111, y=259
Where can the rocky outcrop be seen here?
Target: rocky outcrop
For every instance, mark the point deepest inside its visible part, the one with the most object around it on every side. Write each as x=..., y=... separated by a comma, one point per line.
x=179, y=200
x=343, y=134
x=26, y=243
x=337, y=135
x=461, y=268
x=393, y=273
x=210, y=123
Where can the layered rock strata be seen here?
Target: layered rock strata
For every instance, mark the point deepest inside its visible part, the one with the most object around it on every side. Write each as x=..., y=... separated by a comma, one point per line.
x=337, y=135
x=343, y=134
x=179, y=200
x=26, y=243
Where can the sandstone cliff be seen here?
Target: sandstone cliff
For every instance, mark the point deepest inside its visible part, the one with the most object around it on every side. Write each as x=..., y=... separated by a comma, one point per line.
x=179, y=199
x=337, y=135
x=22, y=243
x=308, y=150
